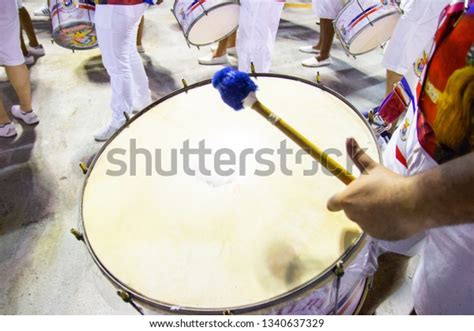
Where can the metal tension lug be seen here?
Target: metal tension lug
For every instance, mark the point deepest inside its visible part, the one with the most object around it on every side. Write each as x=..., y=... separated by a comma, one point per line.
x=252, y=68
x=84, y=167
x=79, y=236
x=185, y=84
x=339, y=270
x=318, y=77
x=127, y=117
x=124, y=296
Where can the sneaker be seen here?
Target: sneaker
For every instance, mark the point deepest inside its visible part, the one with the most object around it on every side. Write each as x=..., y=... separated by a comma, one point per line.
x=309, y=50
x=7, y=130
x=315, y=63
x=36, y=51
x=29, y=60
x=42, y=11
x=105, y=134
x=141, y=49
x=29, y=118
x=211, y=60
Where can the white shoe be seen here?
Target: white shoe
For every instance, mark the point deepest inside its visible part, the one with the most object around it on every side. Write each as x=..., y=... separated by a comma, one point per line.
x=29, y=60
x=232, y=51
x=309, y=50
x=29, y=118
x=7, y=130
x=106, y=133
x=36, y=51
x=314, y=63
x=42, y=11
x=211, y=60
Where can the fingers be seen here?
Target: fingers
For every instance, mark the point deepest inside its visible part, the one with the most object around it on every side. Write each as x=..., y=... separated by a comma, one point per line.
x=335, y=203
x=363, y=161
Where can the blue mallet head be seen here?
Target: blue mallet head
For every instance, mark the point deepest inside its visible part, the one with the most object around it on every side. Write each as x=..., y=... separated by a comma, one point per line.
x=234, y=86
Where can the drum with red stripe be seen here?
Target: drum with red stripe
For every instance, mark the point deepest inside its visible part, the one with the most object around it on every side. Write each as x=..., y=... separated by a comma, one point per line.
x=73, y=23
x=363, y=25
x=204, y=22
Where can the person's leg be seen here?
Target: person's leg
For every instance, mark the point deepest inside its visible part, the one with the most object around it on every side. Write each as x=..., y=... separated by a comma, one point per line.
x=232, y=40
x=4, y=119
x=20, y=80
x=388, y=278
x=27, y=26
x=221, y=48
x=327, y=37
x=116, y=28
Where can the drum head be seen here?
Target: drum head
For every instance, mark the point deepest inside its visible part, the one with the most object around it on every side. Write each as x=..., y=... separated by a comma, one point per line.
x=373, y=36
x=215, y=242
x=219, y=23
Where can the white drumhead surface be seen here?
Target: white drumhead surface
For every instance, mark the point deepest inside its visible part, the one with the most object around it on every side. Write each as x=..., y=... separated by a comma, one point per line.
x=374, y=36
x=220, y=242
x=218, y=23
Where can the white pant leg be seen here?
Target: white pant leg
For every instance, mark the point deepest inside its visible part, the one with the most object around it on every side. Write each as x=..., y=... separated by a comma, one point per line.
x=141, y=88
x=258, y=27
x=116, y=31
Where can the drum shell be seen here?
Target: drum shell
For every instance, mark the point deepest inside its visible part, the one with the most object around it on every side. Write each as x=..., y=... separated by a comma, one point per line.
x=354, y=23
x=188, y=18
x=313, y=297
x=73, y=24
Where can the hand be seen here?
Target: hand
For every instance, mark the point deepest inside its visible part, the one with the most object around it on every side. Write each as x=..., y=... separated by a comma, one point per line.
x=380, y=201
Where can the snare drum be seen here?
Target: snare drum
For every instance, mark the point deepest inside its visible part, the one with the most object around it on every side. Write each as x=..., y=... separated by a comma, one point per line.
x=73, y=23
x=363, y=25
x=204, y=22
x=242, y=242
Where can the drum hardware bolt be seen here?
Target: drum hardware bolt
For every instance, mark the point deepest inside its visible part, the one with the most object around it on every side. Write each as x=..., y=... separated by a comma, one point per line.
x=79, y=236
x=185, y=85
x=128, y=299
x=318, y=77
x=252, y=68
x=339, y=272
x=227, y=313
x=84, y=167
x=127, y=117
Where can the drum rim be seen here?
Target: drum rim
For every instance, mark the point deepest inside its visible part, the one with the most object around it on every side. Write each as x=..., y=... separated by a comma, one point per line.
x=346, y=45
x=186, y=33
x=322, y=278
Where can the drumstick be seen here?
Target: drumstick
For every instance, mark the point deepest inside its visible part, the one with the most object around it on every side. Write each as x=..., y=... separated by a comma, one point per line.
x=238, y=91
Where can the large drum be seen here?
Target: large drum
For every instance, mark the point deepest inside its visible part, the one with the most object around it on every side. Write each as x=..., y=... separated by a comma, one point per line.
x=255, y=240
x=73, y=23
x=204, y=22
x=363, y=25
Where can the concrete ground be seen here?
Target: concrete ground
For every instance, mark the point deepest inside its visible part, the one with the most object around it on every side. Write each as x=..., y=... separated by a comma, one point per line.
x=43, y=269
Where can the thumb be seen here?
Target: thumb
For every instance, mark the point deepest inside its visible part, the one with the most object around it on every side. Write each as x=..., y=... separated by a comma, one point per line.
x=363, y=161
x=335, y=203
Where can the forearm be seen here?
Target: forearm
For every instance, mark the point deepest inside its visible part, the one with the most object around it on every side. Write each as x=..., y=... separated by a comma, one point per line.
x=445, y=195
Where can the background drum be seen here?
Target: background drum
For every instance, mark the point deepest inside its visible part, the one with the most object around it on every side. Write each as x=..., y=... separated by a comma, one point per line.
x=73, y=23
x=229, y=244
x=363, y=25
x=204, y=22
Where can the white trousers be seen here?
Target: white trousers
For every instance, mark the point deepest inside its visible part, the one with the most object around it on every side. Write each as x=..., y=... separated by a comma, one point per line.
x=116, y=27
x=258, y=27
